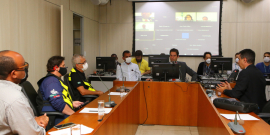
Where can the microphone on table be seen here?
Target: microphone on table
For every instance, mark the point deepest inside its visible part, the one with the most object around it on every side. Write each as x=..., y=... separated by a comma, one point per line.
x=110, y=103
x=236, y=127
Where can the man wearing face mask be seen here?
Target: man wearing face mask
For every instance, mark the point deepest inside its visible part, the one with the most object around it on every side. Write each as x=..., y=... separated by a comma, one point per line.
x=236, y=65
x=80, y=86
x=53, y=93
x=264, y=66
x=116, y=63
x=116, y=59
x=183, y=68
x=143, y=64
x=127, y=69
x=16, y=114
x=204, y=67
x=250, y=85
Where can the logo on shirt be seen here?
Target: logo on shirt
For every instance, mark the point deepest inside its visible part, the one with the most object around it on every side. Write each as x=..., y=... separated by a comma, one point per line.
x=79, y=82
x=54, y=91
x=54, y=94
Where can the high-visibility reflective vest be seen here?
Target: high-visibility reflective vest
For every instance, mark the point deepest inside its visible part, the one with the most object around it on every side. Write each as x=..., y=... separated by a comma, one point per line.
x=65, y=93
x=90, y=87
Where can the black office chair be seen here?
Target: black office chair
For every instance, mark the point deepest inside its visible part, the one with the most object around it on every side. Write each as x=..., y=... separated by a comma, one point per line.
x=30, y=92
x=70, y=89
x=265, y=114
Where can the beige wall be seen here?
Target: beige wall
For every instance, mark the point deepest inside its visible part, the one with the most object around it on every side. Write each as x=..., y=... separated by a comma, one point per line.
x=90, y=31
x=243, y=26
x=33, y=28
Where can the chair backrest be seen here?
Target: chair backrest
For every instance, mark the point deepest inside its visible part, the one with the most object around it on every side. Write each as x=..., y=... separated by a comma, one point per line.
x=31, y=94
x=266, y=107
x=69, y=86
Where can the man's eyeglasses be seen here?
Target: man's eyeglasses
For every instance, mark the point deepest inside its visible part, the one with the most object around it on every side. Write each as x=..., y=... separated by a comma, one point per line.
x=21, y=68
x=82, y=63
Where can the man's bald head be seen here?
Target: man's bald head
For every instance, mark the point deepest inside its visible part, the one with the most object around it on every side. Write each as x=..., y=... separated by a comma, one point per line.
x=9, y=61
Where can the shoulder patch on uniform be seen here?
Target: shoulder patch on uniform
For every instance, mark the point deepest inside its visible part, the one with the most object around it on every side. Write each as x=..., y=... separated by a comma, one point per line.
x=54, y=94
x=54, y=91
x=79, y=82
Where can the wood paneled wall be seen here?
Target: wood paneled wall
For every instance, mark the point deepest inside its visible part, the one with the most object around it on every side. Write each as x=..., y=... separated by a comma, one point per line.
x=33, y=28
x=243, y=26
x=90, y=40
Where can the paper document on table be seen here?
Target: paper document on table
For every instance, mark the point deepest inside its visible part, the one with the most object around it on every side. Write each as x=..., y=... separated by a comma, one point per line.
x=242, y=116
x=117, y=93
x=95, y=110
x=67, y=131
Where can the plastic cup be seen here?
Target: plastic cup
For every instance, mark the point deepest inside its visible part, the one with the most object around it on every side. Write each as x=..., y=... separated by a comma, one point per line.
x=100, y=106
x=76, y=130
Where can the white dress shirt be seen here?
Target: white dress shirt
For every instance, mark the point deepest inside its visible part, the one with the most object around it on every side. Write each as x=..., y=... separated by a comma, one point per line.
x=16, y=115
x=131, y=72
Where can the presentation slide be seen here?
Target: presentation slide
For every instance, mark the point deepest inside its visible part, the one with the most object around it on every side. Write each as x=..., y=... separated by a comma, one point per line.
x=191, y=27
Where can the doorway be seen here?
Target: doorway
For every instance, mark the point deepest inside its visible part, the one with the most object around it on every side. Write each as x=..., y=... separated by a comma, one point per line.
x=77, y=34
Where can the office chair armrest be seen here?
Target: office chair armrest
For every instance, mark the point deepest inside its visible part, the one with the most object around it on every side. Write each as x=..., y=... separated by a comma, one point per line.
x=90, y=96
x=53, y=113
x=264, y=115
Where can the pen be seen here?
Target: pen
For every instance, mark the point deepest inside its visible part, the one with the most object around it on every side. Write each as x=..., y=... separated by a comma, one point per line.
x=95, y=111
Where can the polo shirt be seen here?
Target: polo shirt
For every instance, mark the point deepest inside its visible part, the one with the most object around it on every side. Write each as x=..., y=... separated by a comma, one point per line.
x=143, y=66
x=77, y=81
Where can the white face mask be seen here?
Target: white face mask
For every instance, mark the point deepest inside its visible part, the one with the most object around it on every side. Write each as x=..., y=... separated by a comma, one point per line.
x=266, y=59
x=128, y=60
x=85, y=66
x=236, y=60
x=208, y=61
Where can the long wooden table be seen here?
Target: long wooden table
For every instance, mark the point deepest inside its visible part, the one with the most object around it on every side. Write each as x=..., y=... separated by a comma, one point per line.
x=162, y=103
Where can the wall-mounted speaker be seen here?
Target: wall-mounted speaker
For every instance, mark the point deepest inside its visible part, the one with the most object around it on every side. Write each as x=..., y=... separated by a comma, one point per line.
x=99, y=2
x=247, y=1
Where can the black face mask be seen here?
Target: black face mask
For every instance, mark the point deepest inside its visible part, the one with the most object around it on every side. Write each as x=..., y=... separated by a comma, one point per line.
x=25, y=77
x=63, y=71
x=139, y=60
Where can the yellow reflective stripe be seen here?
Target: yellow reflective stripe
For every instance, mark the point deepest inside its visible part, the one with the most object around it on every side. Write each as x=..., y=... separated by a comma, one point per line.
x=73, y=70
x=66, y=96
x=89, y=86
x=69, y=75
x=86, y=83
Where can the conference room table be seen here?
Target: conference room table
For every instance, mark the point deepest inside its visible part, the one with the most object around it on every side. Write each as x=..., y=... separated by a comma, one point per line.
x=162, y=103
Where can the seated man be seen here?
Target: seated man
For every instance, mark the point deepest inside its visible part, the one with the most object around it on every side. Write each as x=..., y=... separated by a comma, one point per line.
x=77, y=79
x=116, y=63
x=16, y=114
x=53, y=93
x=264, y=66
x=143, y=64
x=204, y=67
x=127, y=69
x=116, y=59
x=250, y=86
x=183, y=68
x=236, y=65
